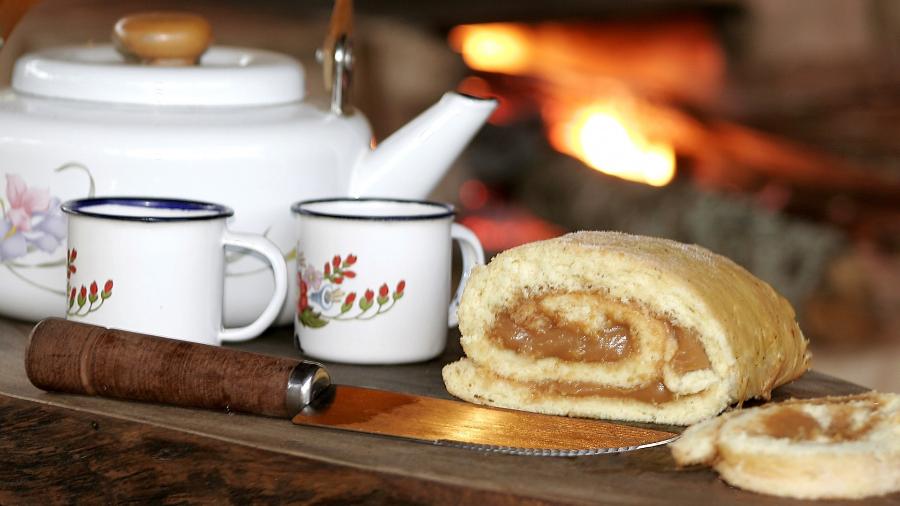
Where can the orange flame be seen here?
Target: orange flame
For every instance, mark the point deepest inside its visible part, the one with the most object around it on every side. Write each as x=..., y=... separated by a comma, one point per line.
x=495, y=47
x=605, y=140
x=594, y=130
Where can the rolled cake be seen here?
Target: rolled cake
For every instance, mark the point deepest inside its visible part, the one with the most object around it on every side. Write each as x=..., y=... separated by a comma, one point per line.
x=610, y=325
x=831, y=447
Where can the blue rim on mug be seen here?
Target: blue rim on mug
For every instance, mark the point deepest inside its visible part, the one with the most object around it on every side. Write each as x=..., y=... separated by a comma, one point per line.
x=442, y=210
x=80, y=207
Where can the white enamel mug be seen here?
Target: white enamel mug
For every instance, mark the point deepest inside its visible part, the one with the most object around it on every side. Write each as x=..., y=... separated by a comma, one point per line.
x=157, y=266
x=374, y=278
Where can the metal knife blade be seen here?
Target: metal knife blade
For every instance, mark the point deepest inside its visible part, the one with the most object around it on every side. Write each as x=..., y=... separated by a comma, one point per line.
x=463, y=425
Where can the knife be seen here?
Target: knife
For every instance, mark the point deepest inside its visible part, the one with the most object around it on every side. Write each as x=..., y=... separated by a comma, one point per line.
x=78, y=358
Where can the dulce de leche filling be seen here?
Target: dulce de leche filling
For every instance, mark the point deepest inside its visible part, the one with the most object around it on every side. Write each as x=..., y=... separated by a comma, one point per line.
x=531, y=329
x=798, y=425
x=690, y=355
x=654, y=393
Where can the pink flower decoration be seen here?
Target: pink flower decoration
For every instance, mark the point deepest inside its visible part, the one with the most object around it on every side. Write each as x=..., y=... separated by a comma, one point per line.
x=23, y=202
x=312, y=277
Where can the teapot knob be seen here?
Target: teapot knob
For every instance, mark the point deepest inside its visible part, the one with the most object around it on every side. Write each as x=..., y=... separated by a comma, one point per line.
x=163, y=38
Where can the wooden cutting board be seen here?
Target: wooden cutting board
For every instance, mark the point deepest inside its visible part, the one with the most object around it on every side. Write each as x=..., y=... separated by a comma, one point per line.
x=71, y=448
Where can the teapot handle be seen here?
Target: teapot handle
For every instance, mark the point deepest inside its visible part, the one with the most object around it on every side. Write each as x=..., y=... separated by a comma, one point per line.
x=336, y=56
x=10, y=15
x=163, y=38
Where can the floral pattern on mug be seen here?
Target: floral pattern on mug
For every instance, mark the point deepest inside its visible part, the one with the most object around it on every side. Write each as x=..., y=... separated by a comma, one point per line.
x=323, y=297
x=86, y=295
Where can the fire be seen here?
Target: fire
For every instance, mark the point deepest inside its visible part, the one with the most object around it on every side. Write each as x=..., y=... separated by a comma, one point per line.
x=580, y=76
x=494, y=47
x=603, y=139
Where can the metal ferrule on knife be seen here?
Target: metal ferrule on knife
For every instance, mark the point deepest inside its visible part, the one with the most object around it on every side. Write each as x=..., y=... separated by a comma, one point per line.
x=308, y=385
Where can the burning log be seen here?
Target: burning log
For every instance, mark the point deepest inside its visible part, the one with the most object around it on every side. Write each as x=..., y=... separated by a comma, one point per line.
x=675, y=60
x=787, y=251
x=612, y=95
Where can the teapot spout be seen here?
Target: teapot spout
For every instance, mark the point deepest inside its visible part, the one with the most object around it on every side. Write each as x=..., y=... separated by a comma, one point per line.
x=411, y=162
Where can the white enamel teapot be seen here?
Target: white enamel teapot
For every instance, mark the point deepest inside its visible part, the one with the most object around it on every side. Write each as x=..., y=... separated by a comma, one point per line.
x=160, y=114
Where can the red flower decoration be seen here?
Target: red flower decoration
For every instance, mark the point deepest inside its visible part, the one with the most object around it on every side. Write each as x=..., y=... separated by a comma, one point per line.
x=86, y=294
x=337, y=274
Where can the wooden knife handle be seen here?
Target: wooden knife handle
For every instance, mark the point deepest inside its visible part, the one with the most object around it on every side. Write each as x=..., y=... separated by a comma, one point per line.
x=66, y=356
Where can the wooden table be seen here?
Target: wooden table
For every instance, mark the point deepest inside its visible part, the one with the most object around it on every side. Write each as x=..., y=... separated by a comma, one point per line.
x=57, y=448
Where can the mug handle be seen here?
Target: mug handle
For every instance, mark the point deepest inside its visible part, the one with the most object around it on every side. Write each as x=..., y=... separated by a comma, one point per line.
x=472, y=255
x=273, y=255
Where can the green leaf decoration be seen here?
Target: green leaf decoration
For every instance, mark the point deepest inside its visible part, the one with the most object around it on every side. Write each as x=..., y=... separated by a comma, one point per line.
x=398, y=296
x=365, y=304
x=81, y=300
x=105, y=295
x=92, y=297
x=345, y=308
x=71, y=302
x=310, y=318
x=382, y=301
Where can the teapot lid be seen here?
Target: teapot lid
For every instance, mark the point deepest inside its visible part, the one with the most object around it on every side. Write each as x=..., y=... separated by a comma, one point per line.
x=225, y=76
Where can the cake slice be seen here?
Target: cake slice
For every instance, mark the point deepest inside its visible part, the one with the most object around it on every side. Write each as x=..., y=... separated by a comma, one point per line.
x=831, y=447
x=616, y=326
